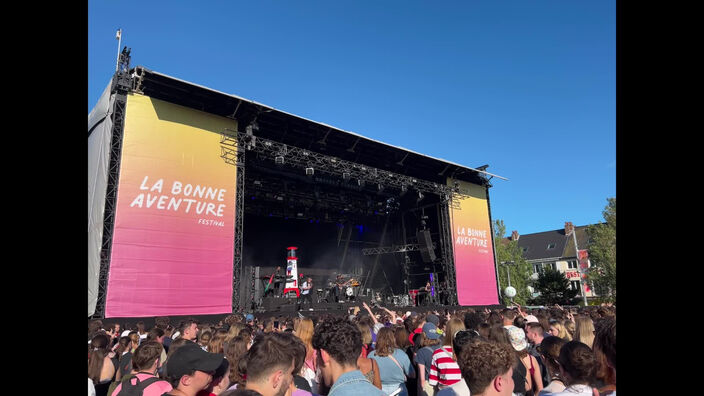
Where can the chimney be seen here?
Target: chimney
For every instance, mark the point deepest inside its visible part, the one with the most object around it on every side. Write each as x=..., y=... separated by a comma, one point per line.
x=514, y=235
x=568, y=227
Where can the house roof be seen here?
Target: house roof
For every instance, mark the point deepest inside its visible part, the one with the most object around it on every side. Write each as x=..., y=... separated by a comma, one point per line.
x=561, y=245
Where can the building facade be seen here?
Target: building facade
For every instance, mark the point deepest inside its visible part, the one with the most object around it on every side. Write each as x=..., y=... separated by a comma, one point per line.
x=556, y=249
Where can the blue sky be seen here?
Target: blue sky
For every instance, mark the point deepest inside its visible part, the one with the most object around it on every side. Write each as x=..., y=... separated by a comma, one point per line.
x=526, y=87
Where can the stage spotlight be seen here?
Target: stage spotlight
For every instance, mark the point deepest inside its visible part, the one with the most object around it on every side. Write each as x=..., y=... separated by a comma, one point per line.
x=310, y=171
x=379, y=187
x=404, y=189
x=346, y=175
x=360, y=182
x=279, y=160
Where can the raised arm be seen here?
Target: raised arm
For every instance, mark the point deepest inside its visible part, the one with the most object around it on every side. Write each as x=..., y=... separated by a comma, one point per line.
x=370, y=312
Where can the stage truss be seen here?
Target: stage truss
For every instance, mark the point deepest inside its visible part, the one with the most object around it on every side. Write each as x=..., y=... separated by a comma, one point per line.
x=234, y=144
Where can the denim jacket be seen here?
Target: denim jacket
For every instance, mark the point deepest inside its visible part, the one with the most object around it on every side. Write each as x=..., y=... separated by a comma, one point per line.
x=354, y=383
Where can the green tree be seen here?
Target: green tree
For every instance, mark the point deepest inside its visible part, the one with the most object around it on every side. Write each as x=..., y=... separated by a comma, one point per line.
x=602, y=254
x=553, y=287
x=520, y=271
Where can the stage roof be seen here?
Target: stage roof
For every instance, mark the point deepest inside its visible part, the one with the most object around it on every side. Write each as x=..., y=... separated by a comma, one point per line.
x=297, y=131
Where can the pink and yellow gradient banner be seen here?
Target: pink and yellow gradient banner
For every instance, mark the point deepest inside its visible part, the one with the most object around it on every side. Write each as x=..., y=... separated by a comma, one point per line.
x=173, y=238
x=473, y=247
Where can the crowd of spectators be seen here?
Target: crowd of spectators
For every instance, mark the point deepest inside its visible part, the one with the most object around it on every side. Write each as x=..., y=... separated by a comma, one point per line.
x=509, y=351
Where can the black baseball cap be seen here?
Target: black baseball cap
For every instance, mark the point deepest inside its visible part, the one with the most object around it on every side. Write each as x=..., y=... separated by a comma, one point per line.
x=190, y=356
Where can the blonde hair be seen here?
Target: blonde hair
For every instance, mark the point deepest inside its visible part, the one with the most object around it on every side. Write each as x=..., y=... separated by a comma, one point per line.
x=366, y=333
x=304, y=331
x=452, y=327
x=570, y=327
x=561, y=331
x=584, y=331
x=234, y=331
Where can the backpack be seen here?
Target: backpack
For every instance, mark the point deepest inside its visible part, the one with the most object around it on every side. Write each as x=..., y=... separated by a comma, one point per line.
x=137, y=389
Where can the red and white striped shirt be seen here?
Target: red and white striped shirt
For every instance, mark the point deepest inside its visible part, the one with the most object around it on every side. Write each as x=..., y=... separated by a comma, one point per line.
x=443, y=369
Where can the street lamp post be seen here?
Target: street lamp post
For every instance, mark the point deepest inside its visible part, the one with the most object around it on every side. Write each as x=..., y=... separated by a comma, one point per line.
x=510, y=292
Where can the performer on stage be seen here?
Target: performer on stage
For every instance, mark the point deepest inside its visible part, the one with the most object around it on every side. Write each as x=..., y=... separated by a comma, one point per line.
x=305, y=291
x=339, y=286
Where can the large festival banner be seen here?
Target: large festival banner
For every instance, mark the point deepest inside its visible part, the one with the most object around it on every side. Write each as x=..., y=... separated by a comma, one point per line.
x=173, y=238
x=475, y=269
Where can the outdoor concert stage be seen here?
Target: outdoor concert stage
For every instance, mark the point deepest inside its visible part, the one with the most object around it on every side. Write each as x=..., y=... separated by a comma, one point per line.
x=198, y=194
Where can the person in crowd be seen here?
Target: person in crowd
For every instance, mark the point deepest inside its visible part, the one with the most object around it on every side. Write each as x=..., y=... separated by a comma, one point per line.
x=495, y=318
x=472, y=320
x=544, y=321
x=483, y=330
x=300, y=386
x=175, y=345
x=394, y=365
x=94, y=327
x=168, y=337
x=233, y=332
x=216, y=342
x=141, y=331
x=204, y=339
x=188, y=330
x=533, y=378
x=584, y=330
x=550, y=351
x=402, y=342
x=158, y=335
x=367, y=339
x=269, y=364
x=508, y=316
x=605, y=351
x=499, y=335
x=430, y=342
x=558, y=330
x=488, y=368
x=247, y=334
x=416, y=323
x=444, y=370
x=220, y=382
x=146, y=361
x=535, y=335
x=124, y=356
x=235, y=351
x=102, y=363
x=570, y=327
x=577, y=368
x=134, y=338
x=303, y=329
x=461, y=339
x=113, y=331
x=190, y=369
x=91, y=388
x=338, y=344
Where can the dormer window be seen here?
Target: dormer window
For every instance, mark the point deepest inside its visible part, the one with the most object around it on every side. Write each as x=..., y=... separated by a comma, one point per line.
x=551, y=246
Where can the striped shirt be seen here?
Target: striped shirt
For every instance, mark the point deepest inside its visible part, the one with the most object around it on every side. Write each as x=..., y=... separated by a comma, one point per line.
x=444, y=370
